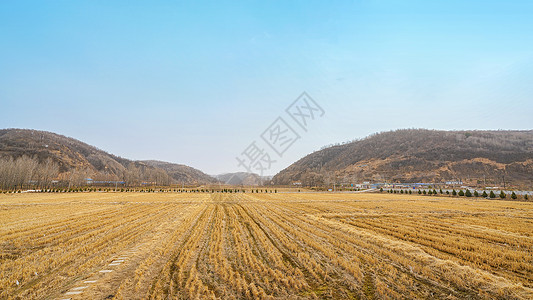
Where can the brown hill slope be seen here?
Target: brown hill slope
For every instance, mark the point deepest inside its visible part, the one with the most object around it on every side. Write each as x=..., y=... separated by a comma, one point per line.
x=74, y=158
x=242, y=178
x=419, y=155
x=181, y=173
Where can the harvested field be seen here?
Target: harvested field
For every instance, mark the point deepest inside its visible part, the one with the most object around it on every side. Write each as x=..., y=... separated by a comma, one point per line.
x=263, y=246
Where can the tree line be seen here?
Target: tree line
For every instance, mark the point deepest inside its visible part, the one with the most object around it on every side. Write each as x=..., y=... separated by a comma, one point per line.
x=466, y=193
x=27, y=172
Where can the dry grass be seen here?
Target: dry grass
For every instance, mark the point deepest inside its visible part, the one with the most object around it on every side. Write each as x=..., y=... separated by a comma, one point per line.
x=265, y=246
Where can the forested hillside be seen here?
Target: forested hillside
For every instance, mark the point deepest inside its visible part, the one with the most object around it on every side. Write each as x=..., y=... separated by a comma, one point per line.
x=40, y=157
x=420, y=155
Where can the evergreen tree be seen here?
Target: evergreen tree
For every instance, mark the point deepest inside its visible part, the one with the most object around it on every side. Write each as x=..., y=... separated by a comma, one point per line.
x=424, y=192
x=492, y=195
x=454, y=193
x=381, y=190
x=440, y=191
x=513, y=196
x=526, y=197
x=476, y=194
x=468, y=193
x=410, y=192
x=419, y=192
x=484, y=195
x=502, y=195
x=461, y=193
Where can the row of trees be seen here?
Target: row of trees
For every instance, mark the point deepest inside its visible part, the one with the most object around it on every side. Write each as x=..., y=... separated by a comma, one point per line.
x=25, y=171
x=466, y=193
x=135, y=175
x=141, y=190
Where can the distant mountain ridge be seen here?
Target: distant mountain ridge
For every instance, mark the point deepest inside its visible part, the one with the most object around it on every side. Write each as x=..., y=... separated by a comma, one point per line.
x=420, y=155
x=73, y=156
x=243, y=178
x=181, y=173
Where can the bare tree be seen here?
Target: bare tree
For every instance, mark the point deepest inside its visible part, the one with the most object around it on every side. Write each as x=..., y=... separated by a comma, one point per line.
x=46, y=172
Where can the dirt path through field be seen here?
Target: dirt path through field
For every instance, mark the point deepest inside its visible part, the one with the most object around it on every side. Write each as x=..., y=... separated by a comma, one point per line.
x=145, y=254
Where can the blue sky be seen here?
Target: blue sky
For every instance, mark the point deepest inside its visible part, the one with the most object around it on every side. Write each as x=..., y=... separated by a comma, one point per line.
x=196, y=83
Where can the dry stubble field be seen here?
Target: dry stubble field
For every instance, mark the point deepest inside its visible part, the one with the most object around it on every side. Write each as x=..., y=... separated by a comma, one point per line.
x=285, y=246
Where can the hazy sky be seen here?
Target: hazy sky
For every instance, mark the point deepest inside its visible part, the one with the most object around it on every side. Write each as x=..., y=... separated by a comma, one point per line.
x=197, y=83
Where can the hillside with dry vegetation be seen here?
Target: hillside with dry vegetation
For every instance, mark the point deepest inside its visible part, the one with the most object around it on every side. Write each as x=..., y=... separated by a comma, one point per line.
x=242, y=178
x=419, y=155
x=181, y=173
x=25, y=154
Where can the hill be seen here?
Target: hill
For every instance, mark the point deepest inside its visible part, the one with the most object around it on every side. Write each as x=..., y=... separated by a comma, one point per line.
x=420, y=155
x=181, y=173
x=68, y=159
x=242, y=178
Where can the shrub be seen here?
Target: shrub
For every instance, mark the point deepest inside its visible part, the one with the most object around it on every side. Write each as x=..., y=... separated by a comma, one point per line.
x=454, y=193
x=461, y=193
x=485, y=195
x=513, y=196
x=492, y=195
x=476, y=194
x=468, y=193
x=502, y=195
x=526, y=197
